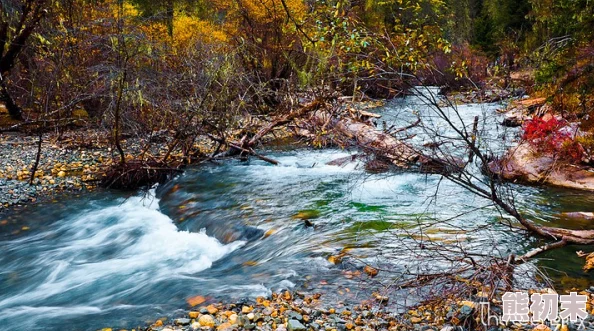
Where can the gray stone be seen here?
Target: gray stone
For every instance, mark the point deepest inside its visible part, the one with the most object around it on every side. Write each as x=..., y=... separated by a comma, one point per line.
x=295, y=325
x=295, y=316
x=182, y=321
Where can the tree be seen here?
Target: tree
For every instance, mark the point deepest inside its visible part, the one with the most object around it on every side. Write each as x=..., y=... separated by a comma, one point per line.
x=17, y=23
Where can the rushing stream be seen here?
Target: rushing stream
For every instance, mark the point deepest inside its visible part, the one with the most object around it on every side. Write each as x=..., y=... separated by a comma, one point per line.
x=243, y=229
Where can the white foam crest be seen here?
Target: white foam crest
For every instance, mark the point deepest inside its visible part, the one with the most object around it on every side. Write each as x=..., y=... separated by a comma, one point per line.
x=116, y=244
x=313, y=162
x=389, y=187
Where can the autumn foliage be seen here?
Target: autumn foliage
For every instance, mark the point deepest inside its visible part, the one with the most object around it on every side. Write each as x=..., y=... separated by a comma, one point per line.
x=553, y=136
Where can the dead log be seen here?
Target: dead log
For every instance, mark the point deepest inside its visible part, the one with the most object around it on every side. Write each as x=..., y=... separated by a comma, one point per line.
x=245, y=144
x=383, y=145
x=368, y=138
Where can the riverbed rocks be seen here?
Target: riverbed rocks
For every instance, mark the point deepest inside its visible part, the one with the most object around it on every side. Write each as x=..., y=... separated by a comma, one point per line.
x=71, y=161
x=296, y=311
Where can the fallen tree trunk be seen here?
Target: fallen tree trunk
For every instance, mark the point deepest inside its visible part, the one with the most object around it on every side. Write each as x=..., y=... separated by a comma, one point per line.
x=319, y=117
x=368, y=138
x=245, y=145
x=384, y=145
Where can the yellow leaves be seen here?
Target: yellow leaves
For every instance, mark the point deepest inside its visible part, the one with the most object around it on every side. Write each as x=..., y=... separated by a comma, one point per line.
x=269, y=11
x=186, y=31
x=589, y=265
x=129, y=10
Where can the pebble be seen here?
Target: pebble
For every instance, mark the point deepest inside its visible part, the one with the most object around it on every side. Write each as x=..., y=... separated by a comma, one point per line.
x=206, y=320
x=182, y=321
x=294, y=325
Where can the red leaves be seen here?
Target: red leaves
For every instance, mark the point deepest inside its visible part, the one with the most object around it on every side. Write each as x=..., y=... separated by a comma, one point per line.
x=547, y=135
x=539, y=128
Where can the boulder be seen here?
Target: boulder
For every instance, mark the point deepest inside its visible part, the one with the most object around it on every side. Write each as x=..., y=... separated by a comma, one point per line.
x=524, y=164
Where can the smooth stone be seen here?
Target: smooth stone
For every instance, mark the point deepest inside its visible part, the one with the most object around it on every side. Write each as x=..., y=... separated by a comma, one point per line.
x=295, y=325
x=243, y=320
x=225, y=326
x=211, y=309
x=206, y=320
x=295, y=316
x=182, y=321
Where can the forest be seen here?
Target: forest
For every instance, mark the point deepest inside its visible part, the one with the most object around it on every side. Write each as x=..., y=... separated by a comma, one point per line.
x=295, y=164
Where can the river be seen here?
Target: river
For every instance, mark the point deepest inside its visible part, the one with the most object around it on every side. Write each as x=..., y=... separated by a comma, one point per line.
x=242, y=229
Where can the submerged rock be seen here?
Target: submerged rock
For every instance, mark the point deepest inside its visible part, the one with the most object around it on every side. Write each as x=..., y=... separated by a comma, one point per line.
x=579, y=215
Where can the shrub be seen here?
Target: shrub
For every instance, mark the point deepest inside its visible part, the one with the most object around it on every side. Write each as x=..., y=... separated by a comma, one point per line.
x=551, y=136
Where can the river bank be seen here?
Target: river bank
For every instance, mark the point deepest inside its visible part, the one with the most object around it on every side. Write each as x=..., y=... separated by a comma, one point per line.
x=281, y=223
x=295, y=311
x=63, y=167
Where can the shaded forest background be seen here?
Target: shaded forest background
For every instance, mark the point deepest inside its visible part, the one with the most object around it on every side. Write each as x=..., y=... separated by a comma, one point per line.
x=198, y=67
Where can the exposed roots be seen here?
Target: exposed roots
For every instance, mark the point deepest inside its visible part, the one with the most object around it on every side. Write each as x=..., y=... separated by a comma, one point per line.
x=134, y=174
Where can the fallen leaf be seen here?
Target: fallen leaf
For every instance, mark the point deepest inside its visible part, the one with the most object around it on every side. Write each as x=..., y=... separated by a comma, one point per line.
x=194, y=301
x=372, y=272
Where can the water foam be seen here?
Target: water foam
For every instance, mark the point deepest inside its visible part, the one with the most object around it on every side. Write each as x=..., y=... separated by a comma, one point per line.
x=117, y=250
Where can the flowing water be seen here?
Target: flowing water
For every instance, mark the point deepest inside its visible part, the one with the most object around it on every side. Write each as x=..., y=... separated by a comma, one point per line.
x=243, y=229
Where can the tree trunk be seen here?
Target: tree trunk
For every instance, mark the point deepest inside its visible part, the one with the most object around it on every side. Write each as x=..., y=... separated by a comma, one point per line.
x=13, y=109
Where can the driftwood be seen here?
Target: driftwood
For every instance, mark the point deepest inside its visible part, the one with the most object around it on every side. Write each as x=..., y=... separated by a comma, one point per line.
x=368, y=138
x=245, y=146
x=318, y=116
x=385, y=146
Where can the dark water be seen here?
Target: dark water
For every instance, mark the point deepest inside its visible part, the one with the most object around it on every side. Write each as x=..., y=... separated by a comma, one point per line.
x=239, y=229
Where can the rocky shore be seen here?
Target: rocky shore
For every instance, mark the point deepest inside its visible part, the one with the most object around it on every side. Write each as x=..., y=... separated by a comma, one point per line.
x=73, y=161
x=63, y=166
x=296, y=311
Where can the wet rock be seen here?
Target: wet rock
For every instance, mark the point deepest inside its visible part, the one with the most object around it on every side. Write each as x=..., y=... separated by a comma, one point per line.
x=225, y=326
x=211, y=309
x=579, y=215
